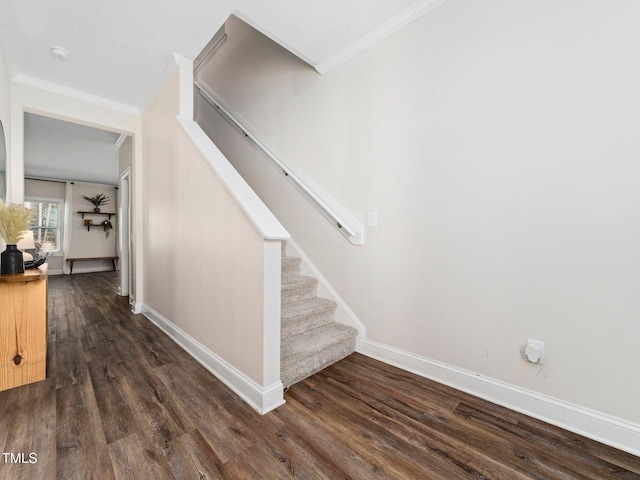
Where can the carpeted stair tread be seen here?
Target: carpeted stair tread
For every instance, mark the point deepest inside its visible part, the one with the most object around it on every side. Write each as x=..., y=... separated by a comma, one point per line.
x=306, y=314
x=309, y=352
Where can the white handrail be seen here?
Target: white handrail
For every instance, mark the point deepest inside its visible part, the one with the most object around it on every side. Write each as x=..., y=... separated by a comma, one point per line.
x=346, y=224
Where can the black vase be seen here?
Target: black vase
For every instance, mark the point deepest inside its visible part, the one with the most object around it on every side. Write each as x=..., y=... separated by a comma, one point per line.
x=11, y=261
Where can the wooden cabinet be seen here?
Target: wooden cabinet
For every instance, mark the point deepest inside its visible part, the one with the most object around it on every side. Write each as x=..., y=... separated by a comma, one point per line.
x=23, y=328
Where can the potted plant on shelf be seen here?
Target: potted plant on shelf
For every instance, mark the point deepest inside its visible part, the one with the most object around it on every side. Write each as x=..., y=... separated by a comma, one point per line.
x=14, y=222
x=107, y=227
x=97, y=200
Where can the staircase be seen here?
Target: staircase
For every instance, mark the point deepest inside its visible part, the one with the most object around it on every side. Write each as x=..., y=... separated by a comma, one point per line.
x=310, y=338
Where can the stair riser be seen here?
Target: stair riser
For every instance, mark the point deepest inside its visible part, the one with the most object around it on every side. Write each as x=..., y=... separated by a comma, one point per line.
x=297, y=294
x=290, y=273
x=300, y=368
x=296, y=325
x=290, y=269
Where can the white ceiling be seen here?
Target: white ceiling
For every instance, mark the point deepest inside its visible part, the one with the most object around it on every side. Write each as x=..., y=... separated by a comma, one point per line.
x=56, y=149
x=120, y=50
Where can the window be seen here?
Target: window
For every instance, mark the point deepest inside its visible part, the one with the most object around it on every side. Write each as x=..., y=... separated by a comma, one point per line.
x=45, y=223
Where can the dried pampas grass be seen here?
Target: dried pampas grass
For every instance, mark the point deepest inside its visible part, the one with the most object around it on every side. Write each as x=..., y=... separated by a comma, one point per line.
x=14, y=220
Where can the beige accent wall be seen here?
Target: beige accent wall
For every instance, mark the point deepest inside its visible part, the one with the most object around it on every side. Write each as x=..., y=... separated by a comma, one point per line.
x=92, y=243
x=44, y=189
x=498, y=143
x=203, y=258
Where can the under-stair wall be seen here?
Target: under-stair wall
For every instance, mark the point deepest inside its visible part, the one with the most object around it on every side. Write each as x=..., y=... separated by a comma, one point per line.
x=212, y=255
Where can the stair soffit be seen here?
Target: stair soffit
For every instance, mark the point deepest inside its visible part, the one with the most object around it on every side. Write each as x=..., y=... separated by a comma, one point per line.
x=327, y=61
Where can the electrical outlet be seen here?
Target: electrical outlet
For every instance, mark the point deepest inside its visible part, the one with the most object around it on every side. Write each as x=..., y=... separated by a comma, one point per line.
x=535, y=352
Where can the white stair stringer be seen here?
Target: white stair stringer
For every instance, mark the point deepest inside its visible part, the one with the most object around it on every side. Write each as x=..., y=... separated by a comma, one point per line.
x=343, y=313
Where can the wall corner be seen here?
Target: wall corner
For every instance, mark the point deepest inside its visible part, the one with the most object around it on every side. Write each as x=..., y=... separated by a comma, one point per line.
x=185, y=89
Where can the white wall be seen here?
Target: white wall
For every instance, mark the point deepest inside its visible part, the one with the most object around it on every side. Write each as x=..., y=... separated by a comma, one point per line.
x=5, y=111
x=499, y=143
x=5, y=89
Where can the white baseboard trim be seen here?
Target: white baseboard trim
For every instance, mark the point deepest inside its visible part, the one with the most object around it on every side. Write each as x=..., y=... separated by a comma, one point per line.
x=261, y=399
x=136, y=307
x=597, y=426
x=59, y=271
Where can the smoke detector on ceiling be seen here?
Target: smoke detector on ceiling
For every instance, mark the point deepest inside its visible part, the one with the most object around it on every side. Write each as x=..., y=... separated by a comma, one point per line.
x=59, y=52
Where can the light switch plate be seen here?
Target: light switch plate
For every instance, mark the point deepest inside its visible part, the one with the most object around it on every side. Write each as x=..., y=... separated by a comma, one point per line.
x=372, y=219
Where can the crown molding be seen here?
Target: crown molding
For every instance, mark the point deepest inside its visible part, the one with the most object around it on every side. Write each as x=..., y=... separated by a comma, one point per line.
x=383, y=31
x=75, y=94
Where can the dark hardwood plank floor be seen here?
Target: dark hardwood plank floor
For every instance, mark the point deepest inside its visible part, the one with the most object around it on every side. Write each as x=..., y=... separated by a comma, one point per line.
x=122, y=401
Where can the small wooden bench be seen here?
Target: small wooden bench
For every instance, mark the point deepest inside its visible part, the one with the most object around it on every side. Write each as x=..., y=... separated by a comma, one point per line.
x=87, y=259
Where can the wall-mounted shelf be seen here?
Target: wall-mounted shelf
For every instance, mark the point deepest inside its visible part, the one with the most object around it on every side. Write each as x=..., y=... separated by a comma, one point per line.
x=93, y=225
x=96, y=213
